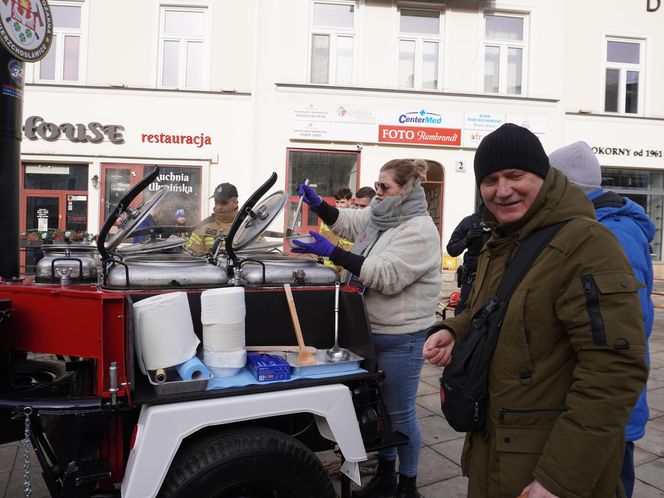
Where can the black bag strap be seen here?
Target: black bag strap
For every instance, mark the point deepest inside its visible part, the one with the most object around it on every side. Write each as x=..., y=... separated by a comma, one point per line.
x=524, y=258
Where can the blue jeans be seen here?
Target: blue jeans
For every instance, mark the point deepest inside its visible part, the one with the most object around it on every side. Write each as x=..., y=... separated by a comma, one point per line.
x=627, y=474
x=400, y=357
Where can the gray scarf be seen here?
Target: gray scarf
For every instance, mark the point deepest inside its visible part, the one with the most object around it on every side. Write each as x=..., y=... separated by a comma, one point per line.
x=391, y=212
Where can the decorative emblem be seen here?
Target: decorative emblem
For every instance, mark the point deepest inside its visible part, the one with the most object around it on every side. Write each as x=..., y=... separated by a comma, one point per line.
x=26, y=28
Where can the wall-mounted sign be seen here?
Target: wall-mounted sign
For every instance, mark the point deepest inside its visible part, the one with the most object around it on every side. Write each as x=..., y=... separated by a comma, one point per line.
x=418, y=135
x=35, y=127
x=26, y=28
x=624, y=151
x=168, y=138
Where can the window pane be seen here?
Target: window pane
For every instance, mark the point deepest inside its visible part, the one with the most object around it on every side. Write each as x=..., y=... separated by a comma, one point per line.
x=420, y=21
x=184, y=23
x=514, y=70
x=491, y=69
x=623, y=52
x=170, y=69
x=344, y=60
x=320, y=59
x=47, y=64
x=632, y=92
x=611, y=90
x=70, y=70
x=327, y=15
x=406, y=63
x=65, y=16
x=194, y=75
x=504, y=27
x=430, y=65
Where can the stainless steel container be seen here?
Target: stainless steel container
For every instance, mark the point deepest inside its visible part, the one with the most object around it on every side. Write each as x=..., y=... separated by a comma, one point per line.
x=294, y=271
x=67, y=263
x=185, y=273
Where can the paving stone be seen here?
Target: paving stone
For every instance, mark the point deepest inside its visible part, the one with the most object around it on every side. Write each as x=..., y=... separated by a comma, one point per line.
x=436, y=430
x=656, y=399
x=643, y=490
x=657, y=423
x=423, y=389
x=430, y=371
x=433, y=467
x=642, y=456
x=654, y=413
x=652, y=442
x=422, y=412
x=431, y=402
x=452, y=449
x=652, y=473
x=456, y=487
x=7, y=457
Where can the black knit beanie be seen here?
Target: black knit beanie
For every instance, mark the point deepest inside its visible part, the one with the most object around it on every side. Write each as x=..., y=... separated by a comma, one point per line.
x=510, y=146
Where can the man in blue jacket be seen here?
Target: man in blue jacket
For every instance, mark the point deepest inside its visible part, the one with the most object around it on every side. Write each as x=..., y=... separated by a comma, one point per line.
x=632, y=227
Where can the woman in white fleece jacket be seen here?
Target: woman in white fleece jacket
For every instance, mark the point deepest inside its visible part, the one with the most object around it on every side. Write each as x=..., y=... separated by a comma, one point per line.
x=396, y=258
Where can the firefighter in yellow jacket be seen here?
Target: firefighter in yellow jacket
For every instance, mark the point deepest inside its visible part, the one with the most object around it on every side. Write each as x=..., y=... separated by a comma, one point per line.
x=206, y=232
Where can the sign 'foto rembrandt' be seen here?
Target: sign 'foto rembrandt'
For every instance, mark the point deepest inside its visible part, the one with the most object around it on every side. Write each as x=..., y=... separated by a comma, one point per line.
x=419, y=135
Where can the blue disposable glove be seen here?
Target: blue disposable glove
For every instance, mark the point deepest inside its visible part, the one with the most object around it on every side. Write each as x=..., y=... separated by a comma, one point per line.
x=322, y=246
x=310, y=195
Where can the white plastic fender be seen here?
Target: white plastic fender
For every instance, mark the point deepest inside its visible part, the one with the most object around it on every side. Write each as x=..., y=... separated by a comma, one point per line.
x=161, y=428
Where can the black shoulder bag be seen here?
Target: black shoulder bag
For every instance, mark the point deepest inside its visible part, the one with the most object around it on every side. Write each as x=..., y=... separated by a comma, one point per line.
x=464, y=383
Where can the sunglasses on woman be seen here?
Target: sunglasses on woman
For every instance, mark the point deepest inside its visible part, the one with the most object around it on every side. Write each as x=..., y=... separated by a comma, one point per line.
x=381, y=185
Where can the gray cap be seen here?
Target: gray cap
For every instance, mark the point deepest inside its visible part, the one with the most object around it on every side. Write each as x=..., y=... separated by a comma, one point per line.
x=224, y=191
x=579, y=164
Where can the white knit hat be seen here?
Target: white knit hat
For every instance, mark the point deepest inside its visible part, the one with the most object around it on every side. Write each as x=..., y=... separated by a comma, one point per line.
x=579, y=164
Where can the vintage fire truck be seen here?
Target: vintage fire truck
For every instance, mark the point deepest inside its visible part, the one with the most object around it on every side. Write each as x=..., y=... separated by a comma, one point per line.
x=71, y=384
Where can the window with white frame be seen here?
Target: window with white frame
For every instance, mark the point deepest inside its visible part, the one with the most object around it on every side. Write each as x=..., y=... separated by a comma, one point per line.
x=183, y=48
x=623, y=87
x=505, y=47
x=333, y=42
x=420, y=49
x=64, y=61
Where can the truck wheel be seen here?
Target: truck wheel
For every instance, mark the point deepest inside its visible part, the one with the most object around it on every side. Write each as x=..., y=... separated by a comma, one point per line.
x=31, y=378
x=246, y=463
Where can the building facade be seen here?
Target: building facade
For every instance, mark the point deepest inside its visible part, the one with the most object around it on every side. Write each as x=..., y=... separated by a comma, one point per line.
x=329, y=90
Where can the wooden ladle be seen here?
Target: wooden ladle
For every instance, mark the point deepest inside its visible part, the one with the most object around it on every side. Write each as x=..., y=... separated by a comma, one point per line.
x=304, y=357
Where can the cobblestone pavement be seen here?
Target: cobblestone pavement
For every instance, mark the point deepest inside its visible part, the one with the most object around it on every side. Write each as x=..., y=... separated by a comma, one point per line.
x=439, y=472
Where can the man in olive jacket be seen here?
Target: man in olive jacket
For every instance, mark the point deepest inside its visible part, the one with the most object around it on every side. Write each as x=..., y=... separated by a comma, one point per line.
x=569, y=362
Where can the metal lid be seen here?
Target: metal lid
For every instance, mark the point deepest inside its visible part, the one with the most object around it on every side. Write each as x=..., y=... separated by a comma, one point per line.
x=258, y=218
x=150, y=246
x=133, y=218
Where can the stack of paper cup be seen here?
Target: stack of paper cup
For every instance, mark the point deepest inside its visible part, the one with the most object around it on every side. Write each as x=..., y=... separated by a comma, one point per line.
x=222, y=315
x=164, y=332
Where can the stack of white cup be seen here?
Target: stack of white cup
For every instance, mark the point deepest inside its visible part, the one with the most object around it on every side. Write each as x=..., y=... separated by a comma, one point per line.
x=222, y=315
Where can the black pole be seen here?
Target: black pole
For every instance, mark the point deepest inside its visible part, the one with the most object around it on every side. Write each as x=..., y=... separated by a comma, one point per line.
x=11, y=116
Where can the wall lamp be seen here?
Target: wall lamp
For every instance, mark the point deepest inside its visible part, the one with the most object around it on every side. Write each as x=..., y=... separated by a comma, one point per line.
x=95, y=181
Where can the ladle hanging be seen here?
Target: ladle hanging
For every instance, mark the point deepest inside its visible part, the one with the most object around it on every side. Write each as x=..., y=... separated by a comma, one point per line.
x=335, y=353
x=291, y=231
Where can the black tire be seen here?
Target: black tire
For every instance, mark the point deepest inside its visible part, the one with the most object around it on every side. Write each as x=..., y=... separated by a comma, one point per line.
x=246, y=463
x=30, y=378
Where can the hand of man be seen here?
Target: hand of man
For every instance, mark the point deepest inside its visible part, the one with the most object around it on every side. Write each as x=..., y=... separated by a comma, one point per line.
x=321, y=247
x=475, y=239
x=438, y=348
x=310, y=195
x=536, y=490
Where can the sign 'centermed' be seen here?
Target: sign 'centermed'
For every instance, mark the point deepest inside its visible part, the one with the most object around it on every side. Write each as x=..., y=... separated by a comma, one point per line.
x=26, y=28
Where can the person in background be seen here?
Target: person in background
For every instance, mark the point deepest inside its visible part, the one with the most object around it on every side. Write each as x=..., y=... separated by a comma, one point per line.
x=180, y=217
x=630, y=224
x=363, y=197
x=469, y=235
x=342, y=198
x=206, y=232
x=396, y=261
x=569, y=360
